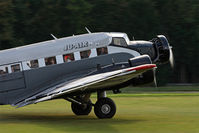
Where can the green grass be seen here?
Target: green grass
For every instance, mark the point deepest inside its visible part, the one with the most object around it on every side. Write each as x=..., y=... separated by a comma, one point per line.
x=136, y=113
x=161, y=89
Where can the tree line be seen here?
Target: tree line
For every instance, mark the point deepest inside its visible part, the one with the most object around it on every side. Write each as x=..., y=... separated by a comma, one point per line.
x=29, y=21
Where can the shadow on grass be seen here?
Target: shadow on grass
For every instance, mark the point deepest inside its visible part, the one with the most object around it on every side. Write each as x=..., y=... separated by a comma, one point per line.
x=66, y=122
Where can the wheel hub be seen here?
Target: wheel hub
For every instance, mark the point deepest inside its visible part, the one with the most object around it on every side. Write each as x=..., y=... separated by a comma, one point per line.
x=106, y=109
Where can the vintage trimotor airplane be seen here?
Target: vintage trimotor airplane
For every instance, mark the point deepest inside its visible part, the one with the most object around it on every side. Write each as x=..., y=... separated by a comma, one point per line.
x=73, y=67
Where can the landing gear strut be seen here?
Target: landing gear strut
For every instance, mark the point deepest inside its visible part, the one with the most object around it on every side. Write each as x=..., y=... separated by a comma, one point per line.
x=104, y=107
x=81, y=109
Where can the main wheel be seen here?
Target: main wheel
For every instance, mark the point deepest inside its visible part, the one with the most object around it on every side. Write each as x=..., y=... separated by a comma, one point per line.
x=105, y=108
x=83, y=109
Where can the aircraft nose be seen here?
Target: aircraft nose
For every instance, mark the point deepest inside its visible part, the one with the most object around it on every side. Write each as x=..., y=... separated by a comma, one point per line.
x=158, y=49
x=164, y=49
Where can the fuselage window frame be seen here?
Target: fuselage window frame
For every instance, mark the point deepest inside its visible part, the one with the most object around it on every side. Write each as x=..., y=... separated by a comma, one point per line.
x=50, y=61
x=85, y=54
x=68, y=57
x=34, y=64
x=102, y=51
x=15, y=68
x=4, y=70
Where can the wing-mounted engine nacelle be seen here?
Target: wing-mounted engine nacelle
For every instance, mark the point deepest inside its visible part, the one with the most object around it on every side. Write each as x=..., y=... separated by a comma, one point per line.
x=158, y=48
x=140, y=60
x=146, y=77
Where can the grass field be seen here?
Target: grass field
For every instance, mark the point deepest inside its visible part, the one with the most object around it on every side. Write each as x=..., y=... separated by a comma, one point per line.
x=162, y=89
x=136, y=113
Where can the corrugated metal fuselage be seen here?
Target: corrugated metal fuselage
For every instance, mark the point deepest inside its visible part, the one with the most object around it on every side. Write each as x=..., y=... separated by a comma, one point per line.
x=18, y=86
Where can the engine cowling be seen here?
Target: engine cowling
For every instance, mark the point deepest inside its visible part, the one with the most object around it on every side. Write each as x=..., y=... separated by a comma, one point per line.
x=140, y=60
x=145, y=78
x=158, y=49
x=163, y=49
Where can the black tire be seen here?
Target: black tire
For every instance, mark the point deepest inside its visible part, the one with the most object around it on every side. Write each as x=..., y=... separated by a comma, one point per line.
x=105, y=108
x=84, y=109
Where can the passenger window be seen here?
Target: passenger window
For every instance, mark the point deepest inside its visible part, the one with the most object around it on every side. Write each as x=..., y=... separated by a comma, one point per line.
x=68, y=57
x=85, y=54
x=15, y=68
x=102, y=51
x=50, y=61
x=3, y=70
x=119, y=41
x=34, y=64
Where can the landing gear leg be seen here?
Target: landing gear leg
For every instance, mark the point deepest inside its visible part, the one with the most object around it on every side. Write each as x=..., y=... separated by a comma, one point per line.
x=101, y=94
x=104, y=107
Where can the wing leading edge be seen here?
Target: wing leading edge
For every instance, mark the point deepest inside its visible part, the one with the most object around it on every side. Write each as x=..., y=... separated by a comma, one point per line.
x=88, y=82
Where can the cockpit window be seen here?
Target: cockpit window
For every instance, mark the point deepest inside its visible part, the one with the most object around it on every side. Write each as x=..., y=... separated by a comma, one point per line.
x=119, y=41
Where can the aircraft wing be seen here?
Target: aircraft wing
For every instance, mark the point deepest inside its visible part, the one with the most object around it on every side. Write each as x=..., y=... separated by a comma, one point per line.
x=88, y=82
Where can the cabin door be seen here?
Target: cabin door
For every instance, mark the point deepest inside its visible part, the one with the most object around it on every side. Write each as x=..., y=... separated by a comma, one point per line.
x=11, y=77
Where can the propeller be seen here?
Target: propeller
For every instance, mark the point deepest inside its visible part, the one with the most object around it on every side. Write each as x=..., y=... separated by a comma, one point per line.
x=164, y=50
x=171, y=58
x=171, y=61
x=154, y=78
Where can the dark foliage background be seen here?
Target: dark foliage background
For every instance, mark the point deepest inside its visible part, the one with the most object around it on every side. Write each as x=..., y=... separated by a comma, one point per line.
x=28, y=21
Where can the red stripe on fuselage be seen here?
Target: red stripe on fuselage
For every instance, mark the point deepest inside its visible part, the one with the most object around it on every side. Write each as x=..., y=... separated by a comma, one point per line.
x=142, y=67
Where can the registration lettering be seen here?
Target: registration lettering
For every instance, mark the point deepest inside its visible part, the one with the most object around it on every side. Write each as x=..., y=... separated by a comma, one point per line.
x=76, y=46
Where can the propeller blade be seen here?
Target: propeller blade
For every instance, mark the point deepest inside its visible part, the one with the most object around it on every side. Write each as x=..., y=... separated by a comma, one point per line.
x=171, y=58
x=154, y=80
